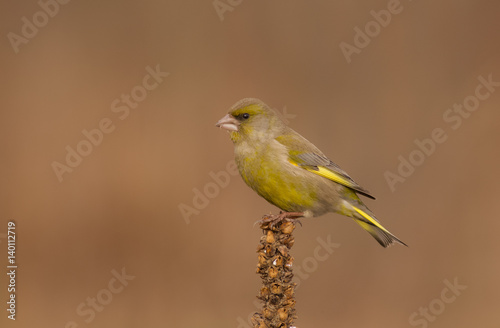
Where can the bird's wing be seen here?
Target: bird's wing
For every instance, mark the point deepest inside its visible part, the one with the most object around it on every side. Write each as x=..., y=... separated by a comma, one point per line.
x=304, y=154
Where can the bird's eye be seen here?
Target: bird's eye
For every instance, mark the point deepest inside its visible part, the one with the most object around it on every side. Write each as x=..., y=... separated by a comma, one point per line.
x=245, y=116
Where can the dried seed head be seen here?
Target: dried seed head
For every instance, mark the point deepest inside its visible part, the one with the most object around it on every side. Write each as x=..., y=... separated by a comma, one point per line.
x=265, y=225
x=287, y=277
x=289, y=291
x=264, y=291
x=283, y=314
x=283, y=250
x=287, y=227
x=270, y=237
x=276, y=288
x=278, y=261
x=270, y=250
x=258, y=321
x=275, y=268
x=268, y=314
x=286, y=240
x=272, y=272
x=262, y=260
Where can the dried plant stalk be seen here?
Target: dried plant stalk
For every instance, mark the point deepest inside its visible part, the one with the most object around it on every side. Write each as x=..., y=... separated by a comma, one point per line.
x=275, y=269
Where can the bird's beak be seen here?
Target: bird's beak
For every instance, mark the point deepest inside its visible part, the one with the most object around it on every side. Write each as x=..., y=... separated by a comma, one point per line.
x=229, y=123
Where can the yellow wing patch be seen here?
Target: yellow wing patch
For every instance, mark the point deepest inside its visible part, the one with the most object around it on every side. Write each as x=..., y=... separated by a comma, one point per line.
x=329, y=174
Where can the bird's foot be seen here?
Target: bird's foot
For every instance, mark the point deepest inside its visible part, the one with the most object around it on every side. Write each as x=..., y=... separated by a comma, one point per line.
x=274, y=220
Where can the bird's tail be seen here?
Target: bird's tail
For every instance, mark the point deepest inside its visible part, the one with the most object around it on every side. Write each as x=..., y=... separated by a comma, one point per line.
x=365, y=218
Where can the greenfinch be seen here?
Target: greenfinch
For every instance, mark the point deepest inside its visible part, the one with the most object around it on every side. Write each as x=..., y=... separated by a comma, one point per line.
x=291, y=173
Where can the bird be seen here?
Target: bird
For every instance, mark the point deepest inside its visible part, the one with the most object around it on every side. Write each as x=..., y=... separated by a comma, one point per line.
x=291, y=173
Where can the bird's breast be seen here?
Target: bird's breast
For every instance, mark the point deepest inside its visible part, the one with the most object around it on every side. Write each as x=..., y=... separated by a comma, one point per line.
x=267, y=170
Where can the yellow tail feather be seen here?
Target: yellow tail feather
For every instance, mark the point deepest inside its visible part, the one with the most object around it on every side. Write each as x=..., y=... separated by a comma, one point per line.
x=374, y=228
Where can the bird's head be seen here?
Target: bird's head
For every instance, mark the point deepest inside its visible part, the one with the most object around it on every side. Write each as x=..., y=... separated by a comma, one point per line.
x=251, y=119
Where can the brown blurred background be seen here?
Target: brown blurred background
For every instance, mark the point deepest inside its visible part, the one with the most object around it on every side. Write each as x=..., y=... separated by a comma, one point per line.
x=119, y=208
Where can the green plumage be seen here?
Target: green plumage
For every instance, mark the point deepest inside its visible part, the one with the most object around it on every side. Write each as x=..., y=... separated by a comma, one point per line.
x=290, y=172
